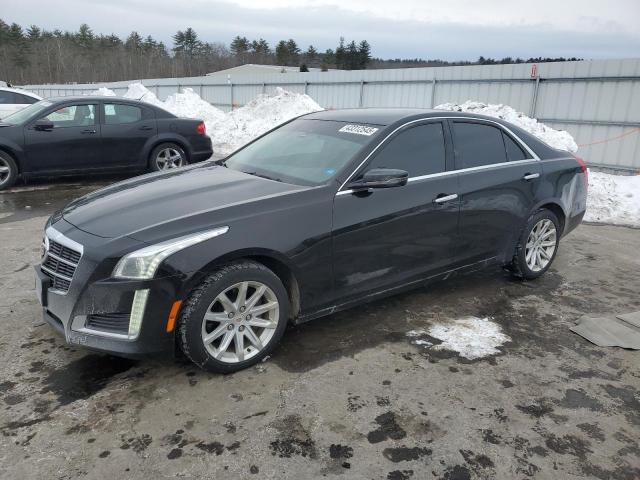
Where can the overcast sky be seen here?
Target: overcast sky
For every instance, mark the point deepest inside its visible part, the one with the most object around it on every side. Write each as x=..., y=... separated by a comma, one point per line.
x=446, y=29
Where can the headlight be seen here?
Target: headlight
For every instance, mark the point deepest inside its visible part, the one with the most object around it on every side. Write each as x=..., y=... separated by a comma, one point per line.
x=142, y=264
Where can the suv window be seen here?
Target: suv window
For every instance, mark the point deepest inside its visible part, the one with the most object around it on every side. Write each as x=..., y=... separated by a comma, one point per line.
x=118, y=113
x=24, y=99
x=6, y=97
x=514, y=151
x=477, y=144
x=73, y=116
x=419, y=150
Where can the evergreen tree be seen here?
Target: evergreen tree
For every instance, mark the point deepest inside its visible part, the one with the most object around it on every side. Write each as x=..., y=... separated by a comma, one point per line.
x=282, y=53
x=364, y=54
x=311, y=55
x=240, y=49
x=293, y=51
x=352, y=57
x=341, y=55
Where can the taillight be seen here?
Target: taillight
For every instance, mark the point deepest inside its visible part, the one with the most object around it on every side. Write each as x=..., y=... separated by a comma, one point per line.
x=584, y=168
x=201, y=129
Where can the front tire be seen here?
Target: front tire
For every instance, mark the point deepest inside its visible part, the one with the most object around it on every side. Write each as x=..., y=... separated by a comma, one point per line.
x=235, y=318
x=537, y=246
x=167, y=156
x=8, y=170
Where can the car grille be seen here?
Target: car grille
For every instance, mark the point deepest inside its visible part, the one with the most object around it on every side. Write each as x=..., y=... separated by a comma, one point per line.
x=109, y=322
x=60, y=264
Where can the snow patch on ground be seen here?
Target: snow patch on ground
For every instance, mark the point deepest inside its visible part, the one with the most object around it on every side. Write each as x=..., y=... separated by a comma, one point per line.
x=471, y=337
x=228, y=131
x=613, y=199
x=555, y=138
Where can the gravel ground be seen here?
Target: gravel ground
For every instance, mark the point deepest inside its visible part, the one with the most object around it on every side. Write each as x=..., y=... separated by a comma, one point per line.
x=347, y=395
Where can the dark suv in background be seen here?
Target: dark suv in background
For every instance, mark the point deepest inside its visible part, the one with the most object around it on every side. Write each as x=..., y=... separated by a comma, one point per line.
x=96, y=135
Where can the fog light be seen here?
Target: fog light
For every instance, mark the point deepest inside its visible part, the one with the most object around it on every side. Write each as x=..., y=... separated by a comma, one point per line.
x=137, y=312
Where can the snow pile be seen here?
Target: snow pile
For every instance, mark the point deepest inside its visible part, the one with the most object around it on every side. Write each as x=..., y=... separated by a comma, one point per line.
x=259, y=116
x=555, y=138
x=232, y=130
x=613, y=199
x=190, y=104
x=471, y=337
x=104, y=92
x=137, y=91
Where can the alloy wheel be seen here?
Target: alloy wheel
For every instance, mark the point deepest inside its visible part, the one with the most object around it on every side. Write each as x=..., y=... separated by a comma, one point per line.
x=169, y=158
x=541, y=245
x=240, y=322
x=5, y=171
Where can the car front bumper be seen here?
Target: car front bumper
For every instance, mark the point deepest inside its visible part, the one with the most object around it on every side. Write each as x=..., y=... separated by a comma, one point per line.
x=95, y=311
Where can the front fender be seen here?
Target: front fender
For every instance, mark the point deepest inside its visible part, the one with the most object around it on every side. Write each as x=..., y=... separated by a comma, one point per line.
x=16, y=151
x=194, y=278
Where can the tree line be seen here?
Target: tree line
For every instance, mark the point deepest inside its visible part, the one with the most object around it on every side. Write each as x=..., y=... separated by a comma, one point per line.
x=33, y=55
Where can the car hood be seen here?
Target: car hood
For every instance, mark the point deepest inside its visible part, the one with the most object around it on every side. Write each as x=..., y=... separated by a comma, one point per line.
x=170, y=203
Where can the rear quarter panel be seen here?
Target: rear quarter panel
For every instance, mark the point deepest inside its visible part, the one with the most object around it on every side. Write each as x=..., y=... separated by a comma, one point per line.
x=564, y=184
x=183, y=131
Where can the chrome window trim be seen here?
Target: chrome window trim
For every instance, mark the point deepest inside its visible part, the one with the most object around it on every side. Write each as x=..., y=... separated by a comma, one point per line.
x=534, y=158
x=456, y=172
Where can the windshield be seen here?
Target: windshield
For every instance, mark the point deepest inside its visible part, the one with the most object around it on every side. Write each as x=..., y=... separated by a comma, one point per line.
x=303, y=152
x=24, y=115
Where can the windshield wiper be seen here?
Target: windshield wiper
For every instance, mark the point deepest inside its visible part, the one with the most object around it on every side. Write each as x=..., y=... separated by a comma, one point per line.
x=263, y=176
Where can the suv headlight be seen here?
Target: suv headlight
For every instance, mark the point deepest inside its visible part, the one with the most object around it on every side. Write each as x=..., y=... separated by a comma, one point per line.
x=142, y=264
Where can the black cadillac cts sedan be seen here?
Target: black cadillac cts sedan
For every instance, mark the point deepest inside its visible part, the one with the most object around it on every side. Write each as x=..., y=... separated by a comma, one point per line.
x=322, y=213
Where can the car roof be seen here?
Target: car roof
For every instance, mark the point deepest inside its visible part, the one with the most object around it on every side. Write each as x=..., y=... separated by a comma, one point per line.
x=390, y=116
x=94, y=98
x=21, y=91
x=375, y=116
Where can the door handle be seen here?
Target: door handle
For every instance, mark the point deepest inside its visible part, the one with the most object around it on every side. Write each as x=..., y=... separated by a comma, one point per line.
x=146, y=127
x=530, y=176
x=445, y=198
x=88, y=130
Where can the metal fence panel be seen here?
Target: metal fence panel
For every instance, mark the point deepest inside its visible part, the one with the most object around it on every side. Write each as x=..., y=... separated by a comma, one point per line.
x=598, y=101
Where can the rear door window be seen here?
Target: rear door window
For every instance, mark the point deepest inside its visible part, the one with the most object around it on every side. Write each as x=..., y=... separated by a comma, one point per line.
x=418, y=150
x=118, y=113
x=514, y=151
x=477, y=144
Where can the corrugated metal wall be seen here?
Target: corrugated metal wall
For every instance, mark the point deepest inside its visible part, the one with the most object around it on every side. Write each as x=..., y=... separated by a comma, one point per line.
x=598, y=101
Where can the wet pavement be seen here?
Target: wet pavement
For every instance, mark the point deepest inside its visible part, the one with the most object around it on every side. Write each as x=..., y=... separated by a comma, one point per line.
x=344, y=396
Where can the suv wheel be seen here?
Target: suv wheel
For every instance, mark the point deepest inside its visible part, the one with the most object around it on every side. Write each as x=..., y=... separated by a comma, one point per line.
x=8, y=171
x=235, y=318
x=167, y=156
x=537, y=246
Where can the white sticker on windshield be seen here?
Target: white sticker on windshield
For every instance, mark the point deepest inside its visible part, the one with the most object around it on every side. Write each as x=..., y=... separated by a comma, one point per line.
x=359, y=130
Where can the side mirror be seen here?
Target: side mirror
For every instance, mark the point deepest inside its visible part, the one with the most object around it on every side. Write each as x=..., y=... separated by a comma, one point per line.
x=43, y=125
x=380, y=178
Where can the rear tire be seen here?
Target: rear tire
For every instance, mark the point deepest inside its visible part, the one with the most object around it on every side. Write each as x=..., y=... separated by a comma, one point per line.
x=8, y=170
x=167, y=156
x=235, y=318
x=537, y=246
